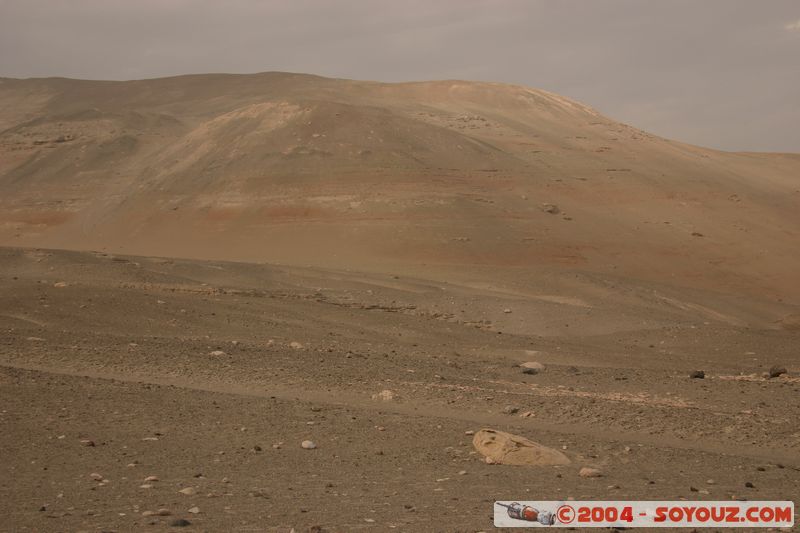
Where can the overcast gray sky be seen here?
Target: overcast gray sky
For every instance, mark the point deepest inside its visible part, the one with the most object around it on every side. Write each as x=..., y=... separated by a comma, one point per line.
x=719, y=73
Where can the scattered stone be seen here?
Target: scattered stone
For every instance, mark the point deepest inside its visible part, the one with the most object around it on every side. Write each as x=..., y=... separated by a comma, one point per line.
x=505, y=448
x=590, y=472
x=87, y=442
x=194, y=510
x=95, y=476
x=188, y=491
x=217, y=353
x=149, y=513
x=462, y=472
x=295, y=345
x=385, y=395
x=710, y=482
x=550, y=208
x=308, y=445
x=510, y=410
x=164, y=512
x=148, y=479
x=60, y=284
x=532, y=365
x=180, y=522
x=506, y=310
x=146, y=486
x=469, y=432
x=776, y=371
x=527, y=414
x=697, y=374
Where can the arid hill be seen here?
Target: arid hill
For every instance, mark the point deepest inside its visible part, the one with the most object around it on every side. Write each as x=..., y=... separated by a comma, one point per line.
x=301, y=169
x=453, y=268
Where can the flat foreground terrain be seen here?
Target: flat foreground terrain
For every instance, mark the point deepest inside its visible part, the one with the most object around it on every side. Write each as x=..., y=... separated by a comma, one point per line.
x=209, y=375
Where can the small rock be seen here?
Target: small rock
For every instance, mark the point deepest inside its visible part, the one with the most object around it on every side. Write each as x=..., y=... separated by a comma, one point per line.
x=188, y=491
x=148, y=479
x=385, y=395
x=749, y=485
x=217, y=353
x=527, y=414
x=87, y=442
x=149, y=513
x=146, y=486
x=295, y=345
x=462, y=473
x=180, y=522
x=510, y=410
x=469, y=432
x=697, y=374
x=194, y=510
x=164, y=512
x=692, y=489
x=710, y=482
x=60, y=284
x=550, y=208
x=776, y=371
x=590, y=472
x=308, y=445
x=533, y=365
x=95, y=476
x=506, y=311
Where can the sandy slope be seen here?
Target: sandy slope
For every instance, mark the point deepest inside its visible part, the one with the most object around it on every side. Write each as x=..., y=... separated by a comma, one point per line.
x=306, y=170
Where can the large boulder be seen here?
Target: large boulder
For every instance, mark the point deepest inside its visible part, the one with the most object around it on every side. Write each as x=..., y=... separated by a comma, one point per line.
x=504, y=448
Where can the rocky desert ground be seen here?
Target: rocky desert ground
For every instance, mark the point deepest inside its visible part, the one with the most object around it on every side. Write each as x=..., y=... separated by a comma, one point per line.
x=276, y=302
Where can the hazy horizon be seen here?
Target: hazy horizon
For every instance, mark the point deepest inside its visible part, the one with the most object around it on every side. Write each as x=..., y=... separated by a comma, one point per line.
x=721, y=74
